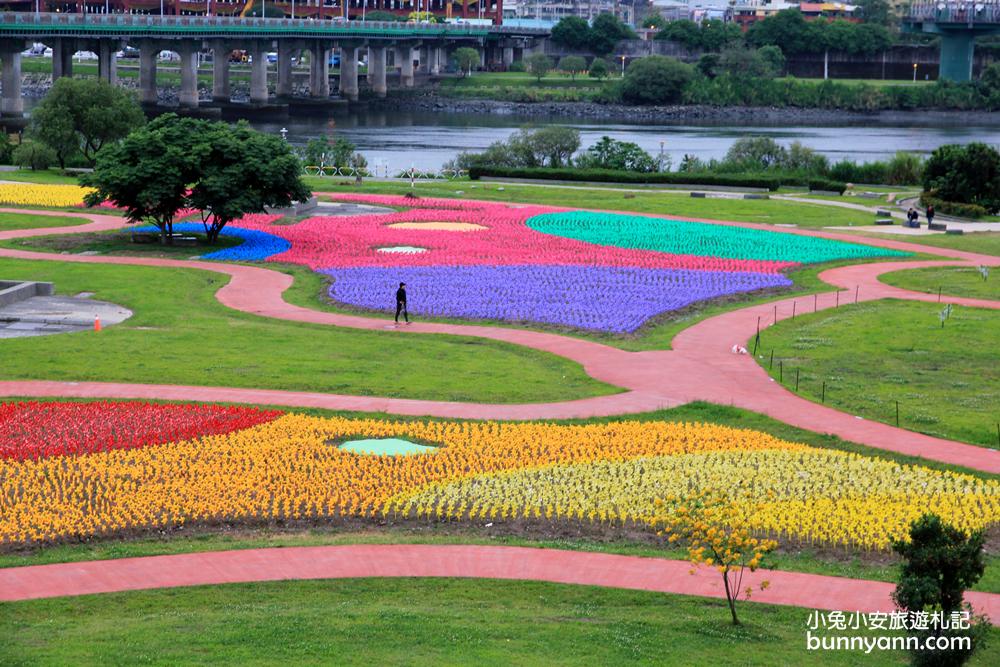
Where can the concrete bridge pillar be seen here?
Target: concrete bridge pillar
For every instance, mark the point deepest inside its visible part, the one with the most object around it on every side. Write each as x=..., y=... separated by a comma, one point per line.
x=107, y=61
x=285, y=55
x=188, y=52
x=319, y=71
x=349, y=72
x=62, y=57
x=11, y=105
x=508, y=56
x=220, y=71
x=957, y=48
x=376, y=70
x=442, y=58
x=148, y=53
x=435, y=59
x=406, y=65
x=258, y=73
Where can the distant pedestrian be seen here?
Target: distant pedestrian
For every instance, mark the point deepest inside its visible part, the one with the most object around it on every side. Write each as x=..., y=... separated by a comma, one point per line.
x=912, y=218
x=401, y=303
x=930, y=214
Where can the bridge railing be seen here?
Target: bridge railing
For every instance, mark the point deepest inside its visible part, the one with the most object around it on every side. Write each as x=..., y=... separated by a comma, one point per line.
x=970, y=13
x=147, y=21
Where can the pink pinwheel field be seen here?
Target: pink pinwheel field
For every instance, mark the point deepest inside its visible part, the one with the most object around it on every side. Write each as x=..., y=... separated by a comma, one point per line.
x=530, y=264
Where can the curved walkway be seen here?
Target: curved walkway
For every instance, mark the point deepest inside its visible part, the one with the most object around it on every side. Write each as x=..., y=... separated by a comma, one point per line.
x=699, y=367
x=468, y=561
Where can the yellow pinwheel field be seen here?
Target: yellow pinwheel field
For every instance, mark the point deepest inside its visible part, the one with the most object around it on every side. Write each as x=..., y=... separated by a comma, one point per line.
x=32, y=194
x=291, y=467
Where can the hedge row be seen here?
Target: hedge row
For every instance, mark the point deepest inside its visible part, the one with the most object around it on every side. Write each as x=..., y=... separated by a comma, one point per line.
x=955, y=208
x=767, y=182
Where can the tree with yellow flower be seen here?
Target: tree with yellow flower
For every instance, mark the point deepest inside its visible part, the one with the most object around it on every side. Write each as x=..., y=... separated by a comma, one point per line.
x=714, y=530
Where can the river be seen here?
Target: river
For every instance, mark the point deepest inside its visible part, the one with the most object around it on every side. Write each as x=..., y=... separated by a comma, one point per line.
x=426, y=140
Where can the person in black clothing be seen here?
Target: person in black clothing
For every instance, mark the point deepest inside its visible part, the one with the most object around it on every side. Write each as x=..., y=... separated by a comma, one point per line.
x=930, y=215
x=401, y=303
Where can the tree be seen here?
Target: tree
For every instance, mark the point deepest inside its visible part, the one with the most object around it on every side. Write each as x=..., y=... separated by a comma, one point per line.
x=81, y=116
x=682, y=31
x=800, y=157
x=940, y=563
x=598, y=69
x=654, y=21
x=610, y=153
x=967, y=174
x=755, y=153
x=466, y=58
x=606, y=31
x=876, y=11
x=709, y=64
x=6, y=148
x=148, y=173
x=572, y=32
x=714, y=531
x=553, y=145
x=990, y=77
x=33, y=155
x=539, y=65
x=239, y=170
x=789, y=31
x=178, y=163
x=573, y=65
x=764, y=63
x=655, y=80
x=715, y=35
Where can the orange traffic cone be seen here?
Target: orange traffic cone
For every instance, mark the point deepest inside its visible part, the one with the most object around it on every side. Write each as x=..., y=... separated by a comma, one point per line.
x=97, y=322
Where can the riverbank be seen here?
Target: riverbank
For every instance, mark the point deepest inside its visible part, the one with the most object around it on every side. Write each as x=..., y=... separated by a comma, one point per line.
x=430, y=102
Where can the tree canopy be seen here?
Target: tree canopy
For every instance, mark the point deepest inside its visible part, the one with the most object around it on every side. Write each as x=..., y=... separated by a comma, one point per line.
x=180, y=163
x=968, y=174
x=712, y=35
x=655, y=80
x=572, y=32
x=78, y=117
x=466, y=58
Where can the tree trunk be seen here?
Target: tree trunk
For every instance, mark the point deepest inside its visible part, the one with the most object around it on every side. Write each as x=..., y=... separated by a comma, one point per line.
x=729, y=598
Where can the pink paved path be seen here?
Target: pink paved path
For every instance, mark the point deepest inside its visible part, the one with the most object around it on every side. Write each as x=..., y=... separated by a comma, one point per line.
x=699, y=367
x=417, y=560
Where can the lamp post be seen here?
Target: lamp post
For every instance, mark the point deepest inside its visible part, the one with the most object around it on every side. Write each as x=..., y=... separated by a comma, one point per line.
x=914, y=72
x=284, y=134
x=623, y=66
x=662, y=142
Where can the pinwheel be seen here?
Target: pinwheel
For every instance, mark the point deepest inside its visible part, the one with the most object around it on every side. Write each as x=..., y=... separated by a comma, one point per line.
x=31, y=194
x=614, y=299
x=37, y=429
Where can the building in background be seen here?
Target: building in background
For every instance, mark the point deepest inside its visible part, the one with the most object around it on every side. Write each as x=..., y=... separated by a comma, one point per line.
x=549, y=12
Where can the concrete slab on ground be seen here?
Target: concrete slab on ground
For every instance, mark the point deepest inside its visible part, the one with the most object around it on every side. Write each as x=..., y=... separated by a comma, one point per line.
x=46, y=315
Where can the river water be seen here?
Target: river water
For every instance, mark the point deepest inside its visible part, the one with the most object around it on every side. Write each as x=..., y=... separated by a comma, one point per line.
x=426, y=140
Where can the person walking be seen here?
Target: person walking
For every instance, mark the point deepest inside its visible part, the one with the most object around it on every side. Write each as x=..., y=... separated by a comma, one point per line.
x=401, y=303
x=930, y=215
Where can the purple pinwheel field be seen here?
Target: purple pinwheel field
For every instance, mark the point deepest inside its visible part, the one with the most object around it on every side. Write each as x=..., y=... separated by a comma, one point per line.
x=531, y=264
x=612, y=299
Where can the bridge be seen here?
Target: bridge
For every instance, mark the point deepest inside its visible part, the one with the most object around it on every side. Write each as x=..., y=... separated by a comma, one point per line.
x=958, y=23
x=188, y=36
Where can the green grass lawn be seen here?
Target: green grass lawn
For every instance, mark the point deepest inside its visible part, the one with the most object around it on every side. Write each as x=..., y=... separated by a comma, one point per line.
x=181, y=335
x=984, y=243
x=45, y=176
x=413, y=622
x=873, y=354
x=522, y=79
x=872, y=82
x=117, y=243
x=954, y=280
x=12, y=221
x=766, y=211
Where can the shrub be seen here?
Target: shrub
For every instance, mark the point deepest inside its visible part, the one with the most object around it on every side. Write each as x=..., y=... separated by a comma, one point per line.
x=34, y=155
x=971, y=211
x=467, y=58
x=968, y=174
x=517, y=66
x=939, y=563
x=617, y=155
x=539, y=65
x=598, y=69
x=826, y=185
x=573, y=65
x=655, y=80
x=755, y=153
x=612, y=176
